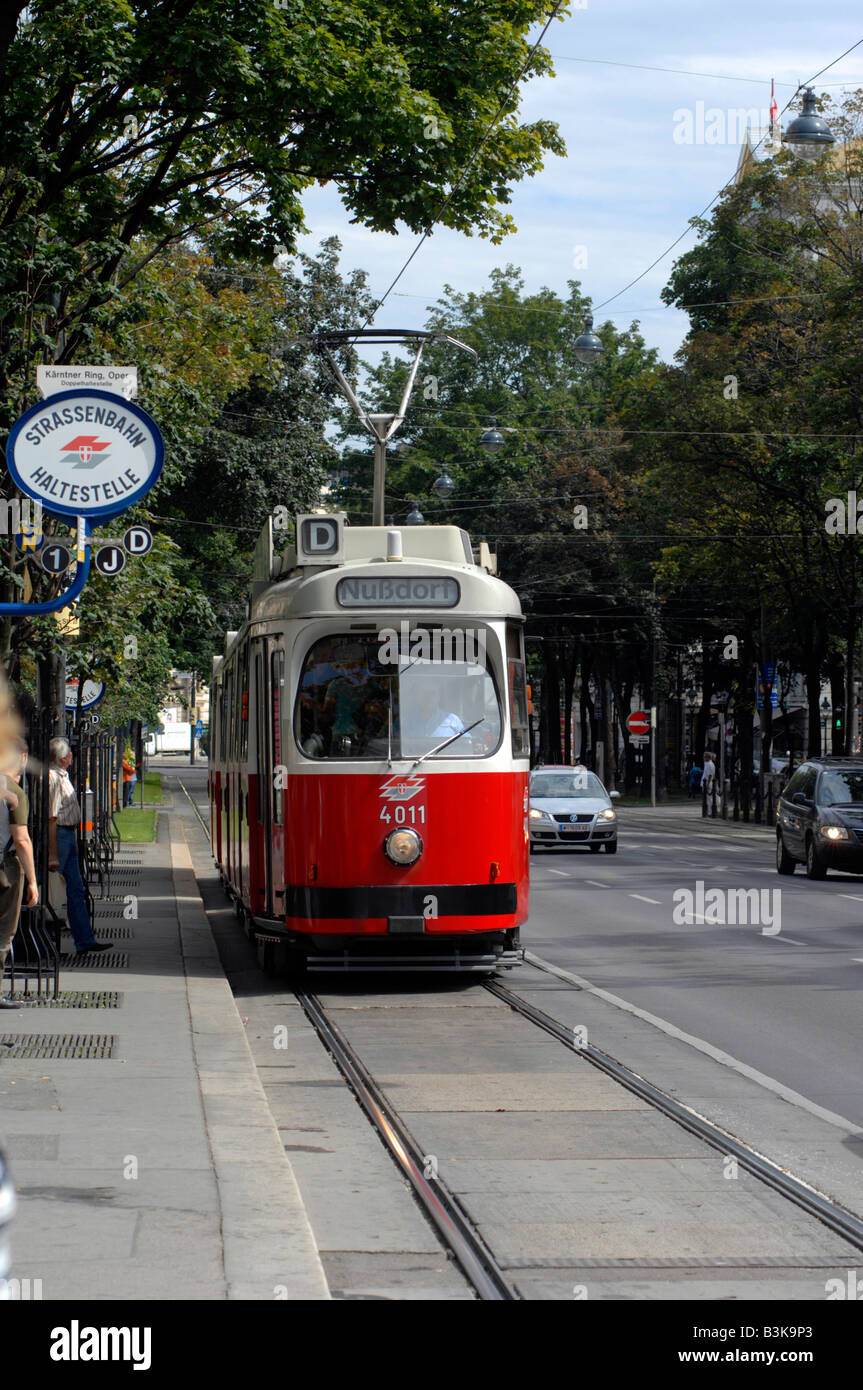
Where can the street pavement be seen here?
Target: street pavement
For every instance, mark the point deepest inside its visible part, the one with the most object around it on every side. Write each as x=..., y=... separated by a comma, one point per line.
x=217, y=1154
x=579, y=1188
x=154, y=1172
x=785, y=1002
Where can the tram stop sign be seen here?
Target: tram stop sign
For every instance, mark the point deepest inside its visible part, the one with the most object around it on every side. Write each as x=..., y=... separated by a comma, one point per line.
x=93, y=692
x=638, y=722
x=85, y=453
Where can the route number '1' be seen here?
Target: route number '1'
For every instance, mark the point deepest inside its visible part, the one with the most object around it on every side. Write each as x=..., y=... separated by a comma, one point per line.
x=404, y=815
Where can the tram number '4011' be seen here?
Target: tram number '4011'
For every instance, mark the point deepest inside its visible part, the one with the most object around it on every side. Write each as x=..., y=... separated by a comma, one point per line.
x=404, y=815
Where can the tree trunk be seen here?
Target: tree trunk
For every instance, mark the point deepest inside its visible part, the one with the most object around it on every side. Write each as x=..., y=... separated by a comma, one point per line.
x=813, y=692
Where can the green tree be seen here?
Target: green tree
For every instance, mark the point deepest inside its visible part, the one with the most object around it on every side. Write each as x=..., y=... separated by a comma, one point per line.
x=121, y=119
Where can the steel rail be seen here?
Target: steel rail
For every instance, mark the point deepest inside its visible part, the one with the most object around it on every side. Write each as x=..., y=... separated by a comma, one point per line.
x=451, y=1223
x=193, y=804
x=443, y=1209
x=842, y=1222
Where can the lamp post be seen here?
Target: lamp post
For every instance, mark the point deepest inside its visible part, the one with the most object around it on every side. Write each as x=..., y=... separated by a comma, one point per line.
x=381, y=426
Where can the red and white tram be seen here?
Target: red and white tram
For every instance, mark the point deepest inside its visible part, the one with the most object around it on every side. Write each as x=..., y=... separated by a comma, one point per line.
x=369, y=753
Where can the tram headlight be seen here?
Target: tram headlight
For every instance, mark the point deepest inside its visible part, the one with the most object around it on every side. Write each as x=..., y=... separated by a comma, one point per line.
x=403, y=846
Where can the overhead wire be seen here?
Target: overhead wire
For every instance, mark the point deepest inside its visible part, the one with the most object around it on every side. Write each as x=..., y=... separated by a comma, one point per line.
x=718, y=193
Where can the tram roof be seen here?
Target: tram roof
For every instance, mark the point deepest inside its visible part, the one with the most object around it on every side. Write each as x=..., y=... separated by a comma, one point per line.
x=428, y=552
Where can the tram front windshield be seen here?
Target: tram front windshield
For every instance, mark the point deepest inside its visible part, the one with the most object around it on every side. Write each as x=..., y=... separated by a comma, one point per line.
x=352, y=704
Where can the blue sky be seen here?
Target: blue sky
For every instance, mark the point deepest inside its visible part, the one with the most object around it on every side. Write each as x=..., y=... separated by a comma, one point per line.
x=626, y=188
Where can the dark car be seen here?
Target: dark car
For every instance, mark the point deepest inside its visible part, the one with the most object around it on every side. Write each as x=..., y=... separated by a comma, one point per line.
x=819, y=819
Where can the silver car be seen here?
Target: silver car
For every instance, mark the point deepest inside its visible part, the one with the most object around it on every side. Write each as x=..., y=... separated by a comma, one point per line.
x=570, y=806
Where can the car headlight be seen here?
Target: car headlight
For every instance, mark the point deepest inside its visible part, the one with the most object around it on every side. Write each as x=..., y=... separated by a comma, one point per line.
x=607, y=814
x=403, y=846
x=538, y=815
x=835, y=832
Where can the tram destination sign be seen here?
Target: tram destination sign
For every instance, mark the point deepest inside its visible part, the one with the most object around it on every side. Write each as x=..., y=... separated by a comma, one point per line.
x=85, y=453
x=409, y=591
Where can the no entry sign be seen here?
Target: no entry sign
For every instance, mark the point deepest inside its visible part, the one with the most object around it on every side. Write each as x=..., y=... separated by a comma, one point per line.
x=85, y=453
x=638, y=722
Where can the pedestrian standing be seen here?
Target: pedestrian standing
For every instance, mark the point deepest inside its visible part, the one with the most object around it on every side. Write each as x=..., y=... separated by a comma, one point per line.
x=17, y=857
x=708, y=774
x=65, y=817
x=130, y=775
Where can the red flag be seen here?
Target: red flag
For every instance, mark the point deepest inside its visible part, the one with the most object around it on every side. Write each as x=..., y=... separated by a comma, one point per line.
x=774, y=109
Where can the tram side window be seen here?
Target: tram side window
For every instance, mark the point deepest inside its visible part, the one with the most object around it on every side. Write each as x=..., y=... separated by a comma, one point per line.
x=229, y=717
x=261, y=735
x=517, y=691
x=351, y=703
x=244, y=705
x=278, y=674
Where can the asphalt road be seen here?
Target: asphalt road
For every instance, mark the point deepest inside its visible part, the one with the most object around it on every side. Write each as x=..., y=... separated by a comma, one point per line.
x=785, y=1002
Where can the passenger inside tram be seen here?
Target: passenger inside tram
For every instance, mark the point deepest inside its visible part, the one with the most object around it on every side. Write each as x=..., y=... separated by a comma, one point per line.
x=350, y=705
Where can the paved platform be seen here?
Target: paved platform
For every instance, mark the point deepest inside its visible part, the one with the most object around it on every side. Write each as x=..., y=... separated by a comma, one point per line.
x=154, y=1170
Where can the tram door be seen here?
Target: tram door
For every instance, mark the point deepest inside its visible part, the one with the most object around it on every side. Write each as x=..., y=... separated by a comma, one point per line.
x=265, y=800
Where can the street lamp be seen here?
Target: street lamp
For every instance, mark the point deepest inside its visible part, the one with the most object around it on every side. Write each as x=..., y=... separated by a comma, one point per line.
x=588, y=347
x=492, y=440
x=444, y=485
x=415, y=517
x=808, y=134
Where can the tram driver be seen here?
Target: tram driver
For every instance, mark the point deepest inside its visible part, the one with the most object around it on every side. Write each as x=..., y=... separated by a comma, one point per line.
x=427, y=716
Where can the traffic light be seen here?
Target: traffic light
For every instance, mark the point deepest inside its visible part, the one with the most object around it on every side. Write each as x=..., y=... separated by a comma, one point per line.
x=529, y=700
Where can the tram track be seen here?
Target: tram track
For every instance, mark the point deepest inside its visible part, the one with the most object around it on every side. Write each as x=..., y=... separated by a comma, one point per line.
x=449, y=1218
x=453, y=1227
x=817, y=1204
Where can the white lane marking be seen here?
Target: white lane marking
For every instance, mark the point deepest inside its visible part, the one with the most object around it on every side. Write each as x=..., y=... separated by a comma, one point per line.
x=595, y=883
x=700, y=1045
x=852, y=898
x=858, y=960
x=642, y=899
x=559, y=872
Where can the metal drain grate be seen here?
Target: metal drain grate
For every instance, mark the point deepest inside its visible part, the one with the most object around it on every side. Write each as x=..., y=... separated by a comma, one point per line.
x=58, y=1044
x=73, y=999
x=108, y=911
x=121, y=933
x=98, y=960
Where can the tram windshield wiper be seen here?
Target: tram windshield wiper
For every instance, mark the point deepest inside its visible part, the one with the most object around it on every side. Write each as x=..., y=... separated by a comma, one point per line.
x=447, y=741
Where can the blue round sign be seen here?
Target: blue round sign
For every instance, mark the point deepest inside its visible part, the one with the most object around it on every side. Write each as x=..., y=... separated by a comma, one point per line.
x=93, y=692
x=85, y=453
x=29, y=539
